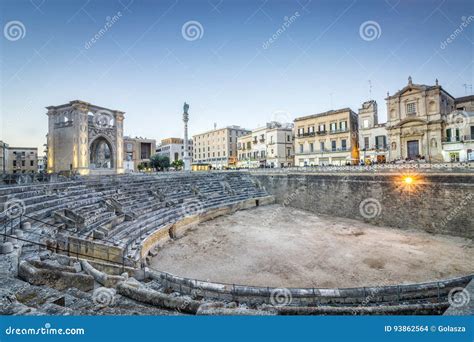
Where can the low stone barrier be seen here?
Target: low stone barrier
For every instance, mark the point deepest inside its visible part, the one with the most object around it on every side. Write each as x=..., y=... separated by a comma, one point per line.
x=54, y=278
x=408, y=309
x=148, y=296
x=364, y=296
x=101, y=277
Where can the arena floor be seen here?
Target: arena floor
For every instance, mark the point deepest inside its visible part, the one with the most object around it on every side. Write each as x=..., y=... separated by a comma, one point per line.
x=284, y=247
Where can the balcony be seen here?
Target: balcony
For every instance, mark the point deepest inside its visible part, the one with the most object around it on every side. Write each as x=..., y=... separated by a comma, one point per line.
x=453, y=139
x=305, y=135
x=335, y=131
x=340, y=149
x=375, y=148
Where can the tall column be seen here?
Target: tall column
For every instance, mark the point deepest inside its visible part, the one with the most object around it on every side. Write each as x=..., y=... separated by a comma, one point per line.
x=186, y=161
x=119, y=116
x=50, y=141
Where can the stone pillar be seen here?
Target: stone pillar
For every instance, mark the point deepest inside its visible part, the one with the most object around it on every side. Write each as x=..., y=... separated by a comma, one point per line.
x=50, y=141
x=186, y=161
x=119, y=117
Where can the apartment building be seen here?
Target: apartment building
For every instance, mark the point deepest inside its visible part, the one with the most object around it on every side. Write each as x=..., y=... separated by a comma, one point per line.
x=173, y=148
x=268, y=146
x=137, y=151
x=218, y=147
x=329, y=138
x=373, y=145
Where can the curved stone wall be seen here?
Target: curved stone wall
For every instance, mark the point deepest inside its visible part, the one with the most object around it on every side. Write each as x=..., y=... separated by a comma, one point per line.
x=387, y=295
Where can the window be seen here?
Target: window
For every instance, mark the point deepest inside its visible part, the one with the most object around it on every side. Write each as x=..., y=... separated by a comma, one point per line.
x=333, y=145
x=366, y=142
x=366, y=123
x=322, y=128
x=311, y=147
x=343, y=144
x=411, y=108
x=32, y=163
x=301, y=148
x=321, y=145
x=22, y=163
x=380, y=141
x=343, y=125
x=288, y=152
x=332, y=126
x=288, y=137
x=448, y=134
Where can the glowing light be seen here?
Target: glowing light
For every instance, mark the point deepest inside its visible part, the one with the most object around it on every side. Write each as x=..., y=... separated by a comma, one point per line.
x=408, y=180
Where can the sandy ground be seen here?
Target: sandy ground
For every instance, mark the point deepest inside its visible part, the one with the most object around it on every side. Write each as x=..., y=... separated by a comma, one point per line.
x=285, y=247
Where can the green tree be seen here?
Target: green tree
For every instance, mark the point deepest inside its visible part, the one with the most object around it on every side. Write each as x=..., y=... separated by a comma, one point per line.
x=177, y=164
x=140, y=167
x=159, y=162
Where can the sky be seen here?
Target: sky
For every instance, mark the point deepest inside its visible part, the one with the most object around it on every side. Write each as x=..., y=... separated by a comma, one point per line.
x=235, y=62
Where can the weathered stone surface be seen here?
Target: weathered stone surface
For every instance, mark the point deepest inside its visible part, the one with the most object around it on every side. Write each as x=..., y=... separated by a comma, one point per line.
x=439, y=204
x=54, y=278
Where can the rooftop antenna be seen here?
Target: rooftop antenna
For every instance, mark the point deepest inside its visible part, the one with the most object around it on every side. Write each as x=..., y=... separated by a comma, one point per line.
x=466, y=87
x=370, y=90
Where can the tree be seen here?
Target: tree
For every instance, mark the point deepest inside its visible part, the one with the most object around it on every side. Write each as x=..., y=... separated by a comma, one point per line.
x=177, y=164
x=159, y=162
x=140, y=167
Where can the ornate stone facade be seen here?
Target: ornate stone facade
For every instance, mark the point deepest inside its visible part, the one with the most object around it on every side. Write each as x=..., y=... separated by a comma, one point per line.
x=85, y=138
x=416, y=119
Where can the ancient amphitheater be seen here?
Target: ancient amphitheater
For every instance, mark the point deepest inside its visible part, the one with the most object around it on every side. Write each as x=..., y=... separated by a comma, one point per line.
x=262, y=243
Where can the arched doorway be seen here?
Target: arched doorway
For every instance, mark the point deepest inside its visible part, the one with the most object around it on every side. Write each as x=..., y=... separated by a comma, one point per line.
x=101, y=154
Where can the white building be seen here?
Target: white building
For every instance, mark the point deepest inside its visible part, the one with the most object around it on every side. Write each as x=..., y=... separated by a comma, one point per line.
x=173, y=148
x=268, y=146
x=373, y=145
x=458, y=140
